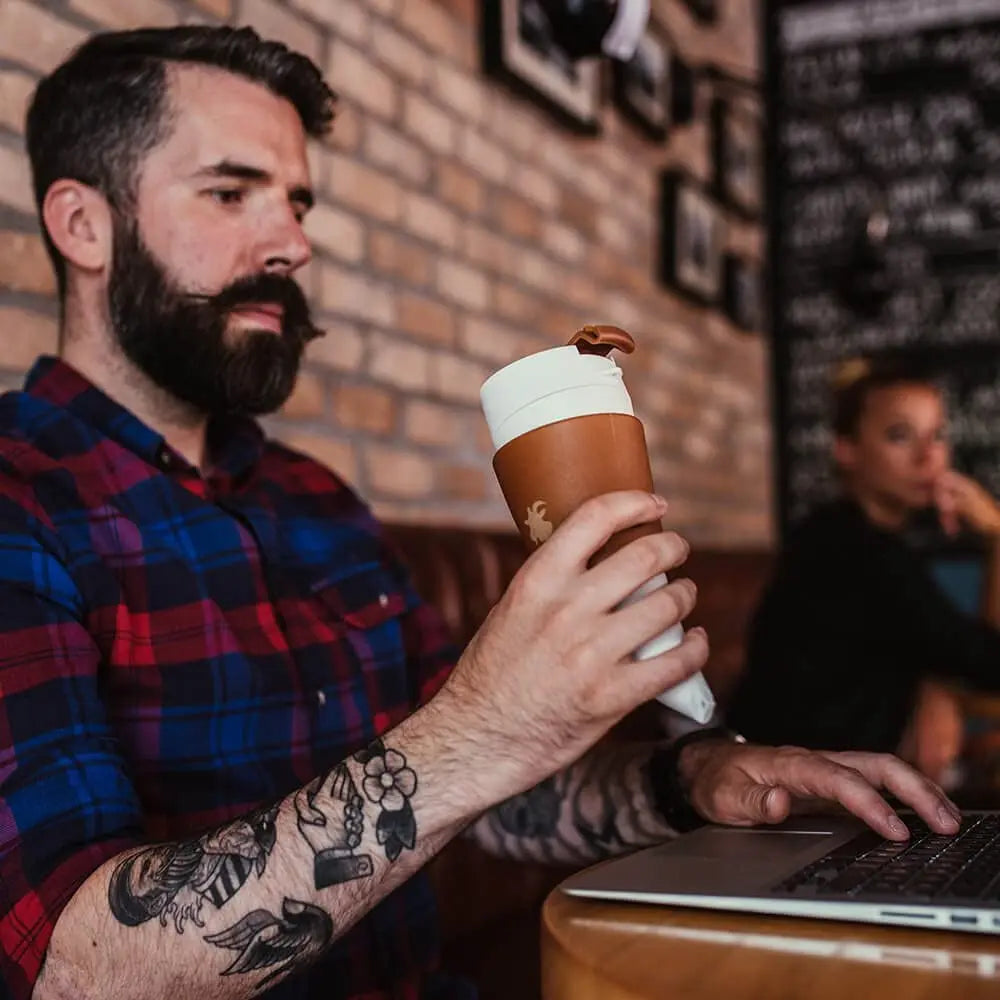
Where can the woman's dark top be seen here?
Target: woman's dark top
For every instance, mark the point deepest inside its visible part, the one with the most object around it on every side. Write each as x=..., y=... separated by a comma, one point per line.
x=849, y=625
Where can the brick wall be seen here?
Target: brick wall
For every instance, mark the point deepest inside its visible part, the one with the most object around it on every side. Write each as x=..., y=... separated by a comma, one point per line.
x=457, y=228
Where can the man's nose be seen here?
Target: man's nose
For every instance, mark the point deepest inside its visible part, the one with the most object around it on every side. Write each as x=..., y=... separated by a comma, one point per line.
x=284, y=247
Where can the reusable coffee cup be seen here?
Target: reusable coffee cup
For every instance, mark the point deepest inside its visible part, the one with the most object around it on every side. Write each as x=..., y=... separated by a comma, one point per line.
x=564, y=431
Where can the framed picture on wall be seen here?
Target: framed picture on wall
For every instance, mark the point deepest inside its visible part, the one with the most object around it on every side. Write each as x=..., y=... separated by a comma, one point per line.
x=520, y=48
x=738, y=156
x=643, y=87
x=744, y=293
x=692, y=232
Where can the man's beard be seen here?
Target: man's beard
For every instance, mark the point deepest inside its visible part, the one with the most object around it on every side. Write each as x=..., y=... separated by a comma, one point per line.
x=178, y=338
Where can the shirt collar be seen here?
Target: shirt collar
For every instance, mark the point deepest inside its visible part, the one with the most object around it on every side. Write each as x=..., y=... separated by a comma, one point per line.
x=236, y=443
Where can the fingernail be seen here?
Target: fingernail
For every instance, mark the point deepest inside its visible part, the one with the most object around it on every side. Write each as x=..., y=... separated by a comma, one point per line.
x=662, y=501
x=896, y=826
x=947, y=818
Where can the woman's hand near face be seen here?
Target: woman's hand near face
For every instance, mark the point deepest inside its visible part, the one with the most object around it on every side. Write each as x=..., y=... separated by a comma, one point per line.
x=960, y=499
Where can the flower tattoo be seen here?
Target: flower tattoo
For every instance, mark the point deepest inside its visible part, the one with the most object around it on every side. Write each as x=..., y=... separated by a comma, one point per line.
x=390, y=784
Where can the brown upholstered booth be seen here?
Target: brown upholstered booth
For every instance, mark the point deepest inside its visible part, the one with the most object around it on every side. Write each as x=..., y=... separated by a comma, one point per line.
x=490, y=908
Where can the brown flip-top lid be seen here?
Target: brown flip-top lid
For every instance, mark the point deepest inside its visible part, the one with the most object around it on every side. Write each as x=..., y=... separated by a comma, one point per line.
x=602, y=340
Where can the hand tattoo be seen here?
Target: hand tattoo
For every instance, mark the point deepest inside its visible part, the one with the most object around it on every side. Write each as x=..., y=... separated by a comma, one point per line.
x=390, y=784
x=331, y=819
x=174, y=880
x=262, y=939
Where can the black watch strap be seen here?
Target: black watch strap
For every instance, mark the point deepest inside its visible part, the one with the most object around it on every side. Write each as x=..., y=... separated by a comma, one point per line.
x=669, y=797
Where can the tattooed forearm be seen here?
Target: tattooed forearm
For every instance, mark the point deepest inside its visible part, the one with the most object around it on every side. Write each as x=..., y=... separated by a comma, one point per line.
x=598, y=807
x=263, y=940
x=331, y=819
x=175, y=880
x=390, y=784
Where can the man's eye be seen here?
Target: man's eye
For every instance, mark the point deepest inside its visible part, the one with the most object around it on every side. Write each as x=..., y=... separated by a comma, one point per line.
x=228, y=196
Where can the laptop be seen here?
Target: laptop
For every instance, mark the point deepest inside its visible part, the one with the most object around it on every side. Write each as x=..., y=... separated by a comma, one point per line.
x=815, y=867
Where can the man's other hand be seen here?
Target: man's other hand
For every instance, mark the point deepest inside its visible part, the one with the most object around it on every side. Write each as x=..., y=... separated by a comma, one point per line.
x=742, y=785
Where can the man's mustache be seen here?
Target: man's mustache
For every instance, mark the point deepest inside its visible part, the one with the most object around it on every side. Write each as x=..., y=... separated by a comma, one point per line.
x=267, y=289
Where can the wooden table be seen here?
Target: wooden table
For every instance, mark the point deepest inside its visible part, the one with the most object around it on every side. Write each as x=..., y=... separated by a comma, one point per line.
x=620, y=951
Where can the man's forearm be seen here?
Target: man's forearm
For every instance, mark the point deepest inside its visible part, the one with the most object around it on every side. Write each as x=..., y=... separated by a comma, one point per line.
x=599, y=807
x=231, y=912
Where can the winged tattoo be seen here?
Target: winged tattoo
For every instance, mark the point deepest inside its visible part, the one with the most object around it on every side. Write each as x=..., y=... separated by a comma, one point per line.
x=264, y=940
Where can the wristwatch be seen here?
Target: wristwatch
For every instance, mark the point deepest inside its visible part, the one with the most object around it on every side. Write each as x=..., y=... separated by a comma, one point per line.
x=669, y=796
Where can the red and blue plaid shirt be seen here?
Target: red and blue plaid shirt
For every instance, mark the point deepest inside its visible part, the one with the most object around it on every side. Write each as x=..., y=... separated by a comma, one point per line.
x=177, y=650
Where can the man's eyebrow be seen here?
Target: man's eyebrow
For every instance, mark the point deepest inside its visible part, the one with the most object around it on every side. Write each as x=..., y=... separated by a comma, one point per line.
x=245, y=172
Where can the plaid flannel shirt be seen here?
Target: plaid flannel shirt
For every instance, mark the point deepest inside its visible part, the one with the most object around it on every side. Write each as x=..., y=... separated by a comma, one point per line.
x=177, y=650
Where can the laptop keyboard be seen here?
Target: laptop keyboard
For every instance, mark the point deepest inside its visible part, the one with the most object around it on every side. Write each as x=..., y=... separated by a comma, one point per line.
x=965, y=866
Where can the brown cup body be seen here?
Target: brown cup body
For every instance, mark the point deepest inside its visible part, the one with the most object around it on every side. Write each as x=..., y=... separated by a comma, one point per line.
x=550, y=471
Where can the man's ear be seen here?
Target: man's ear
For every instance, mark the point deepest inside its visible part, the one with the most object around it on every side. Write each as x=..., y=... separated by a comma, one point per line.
x=845, y=453
x=78, y=220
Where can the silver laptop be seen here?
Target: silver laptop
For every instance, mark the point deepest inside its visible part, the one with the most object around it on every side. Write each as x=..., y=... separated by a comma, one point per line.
x=814, y=867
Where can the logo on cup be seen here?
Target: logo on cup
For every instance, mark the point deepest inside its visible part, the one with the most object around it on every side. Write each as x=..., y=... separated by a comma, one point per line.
x=536, y=524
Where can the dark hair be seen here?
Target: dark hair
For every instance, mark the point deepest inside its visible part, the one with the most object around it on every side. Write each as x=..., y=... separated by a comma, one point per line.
x=96, y=116
x=857, y=378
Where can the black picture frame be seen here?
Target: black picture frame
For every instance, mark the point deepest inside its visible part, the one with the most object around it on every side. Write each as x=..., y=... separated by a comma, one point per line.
x=692, y=235
x=518, y=48
x=738, y=157
x=642, y=88
x=745, y=296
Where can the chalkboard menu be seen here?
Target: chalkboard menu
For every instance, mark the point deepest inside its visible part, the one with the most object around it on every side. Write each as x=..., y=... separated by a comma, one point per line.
x=884, y=193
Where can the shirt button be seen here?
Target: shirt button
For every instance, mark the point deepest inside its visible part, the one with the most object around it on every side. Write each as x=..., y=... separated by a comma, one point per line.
x=383, y=599
x=321, y=698
x=163, y=458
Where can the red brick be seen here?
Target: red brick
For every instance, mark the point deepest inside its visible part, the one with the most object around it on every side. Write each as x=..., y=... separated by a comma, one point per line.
x=579, y=211
x=308, y=398
x=16, y=89
x=615, y=232
x=467, y=286
x=365, y=408
x=400, y=257
x=460, y=188
x=463, y=482
x=31, y=35
x=24, y=264
x=122, y=14
x=535, y=185
x=347, y=18
x=465, y=11
x=428, y=124
x=494, y=342
x=398, y=473
x=515, y=304
x=398, y=363
x=222, y=9
x=563, y=241
x=355, y=294
x=336, y=233
x=387, y=148
x=457, y=378
x=15, y=180
x=459, y=91
x=26, y=335
x=432, y=424
x=483, y=246
x=426, y=319
x=430, y=220
x=336, y=454
x=356, y=75
x=399, y=54
x=365, y=189
x=433, y=26
x=341, y=348
x=346, y=132
x=518, y=217
x=540, y=272
x=483, y=156
x=282, y=25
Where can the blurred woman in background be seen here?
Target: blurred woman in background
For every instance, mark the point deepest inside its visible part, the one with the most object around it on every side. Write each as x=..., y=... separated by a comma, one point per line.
x=852, y=627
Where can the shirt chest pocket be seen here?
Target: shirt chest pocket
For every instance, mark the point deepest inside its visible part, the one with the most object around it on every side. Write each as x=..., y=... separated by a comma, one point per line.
x=366, y=609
